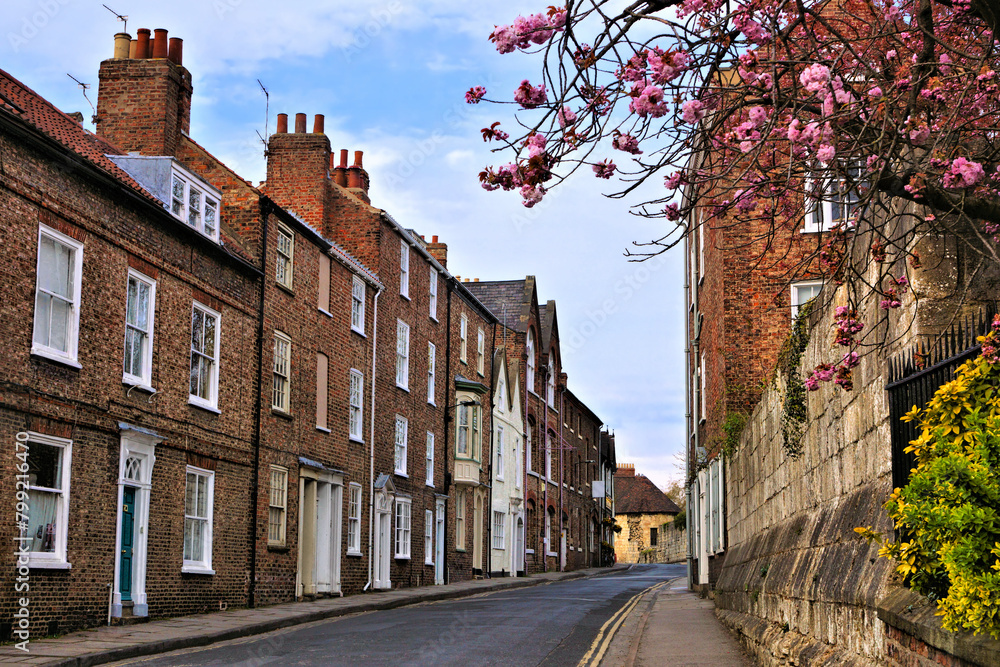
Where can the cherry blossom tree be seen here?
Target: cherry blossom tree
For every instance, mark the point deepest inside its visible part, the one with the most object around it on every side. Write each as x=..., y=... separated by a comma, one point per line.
x=882, y=115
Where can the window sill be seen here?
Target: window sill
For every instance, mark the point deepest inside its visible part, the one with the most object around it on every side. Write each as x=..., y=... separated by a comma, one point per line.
x=197, y=569
x=432, y=404
x=429, y=563
x=355, y=554
x=401, y=557
x=285, y=288
x=552, y=554
x=322, y=429
x=401, y=474
x=282, y=414
x=136, y=383
x=530, y=551
x=325, y=312
x=532, y=473
x=434, y=319
x=461, y=550
x=356, y=439
x=36, y=563
x=403, y=387
x=277, y=548
x=203, y=406
x=430, y=486
x=360, y=332
x=58, y=358
x=405, y=296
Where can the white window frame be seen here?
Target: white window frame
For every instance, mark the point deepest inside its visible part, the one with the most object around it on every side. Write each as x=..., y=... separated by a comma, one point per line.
x=500, y=447
x=358, y=305
x=143, y=381
x=481, y=352
x=529, y=350
x=404, y=524
x=820, y=211
x=432, y=302
x=527, y=447
x=402, y=355
x=55, y=559
x=279, y=503
x=431, y=372
x=429, y=460
x=203, y=566
x=796, y=299
x=499, y=536
x=208, y=199
x=212, y=402
x=284, y=260
x=463, y=336
x=702, y=402
x=356, y=406
x=281, y=373
x=428, y=537
x=550, y=384
x=400, y=445
x=548, y=456
x=501, y=394
x=354, y=519
x=517, y=463
x=470, y=426
x=70, y=355
x=460, y=519
x=404, y=269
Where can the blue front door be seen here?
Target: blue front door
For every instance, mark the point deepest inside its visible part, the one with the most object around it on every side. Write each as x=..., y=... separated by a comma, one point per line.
x=128, y=539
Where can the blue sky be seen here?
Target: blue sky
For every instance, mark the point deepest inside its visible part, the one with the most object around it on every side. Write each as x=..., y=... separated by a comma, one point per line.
x=390, y=78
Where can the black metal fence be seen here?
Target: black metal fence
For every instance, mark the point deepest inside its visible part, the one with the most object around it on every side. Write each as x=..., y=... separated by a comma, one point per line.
x=916, y=374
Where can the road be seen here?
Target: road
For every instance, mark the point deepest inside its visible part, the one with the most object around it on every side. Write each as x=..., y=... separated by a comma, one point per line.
x=551, y=625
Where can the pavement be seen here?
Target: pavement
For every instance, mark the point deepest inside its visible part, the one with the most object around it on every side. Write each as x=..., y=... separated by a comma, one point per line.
x=669, y=625
x=102, y=645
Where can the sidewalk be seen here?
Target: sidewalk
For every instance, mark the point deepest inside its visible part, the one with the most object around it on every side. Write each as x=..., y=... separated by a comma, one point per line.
x=673, y=626
x=101, y=645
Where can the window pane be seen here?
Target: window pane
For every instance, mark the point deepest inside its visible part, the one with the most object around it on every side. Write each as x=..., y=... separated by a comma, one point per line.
x=42, y=527
x=131, y=310
x=60, y=324
x=210, y=335
x=43, y=312
x=197, y=330
x=210, y=214
x=194, y=207
x=45, y=466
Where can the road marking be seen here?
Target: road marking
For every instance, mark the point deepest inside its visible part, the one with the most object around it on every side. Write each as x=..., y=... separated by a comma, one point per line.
x=606, y=634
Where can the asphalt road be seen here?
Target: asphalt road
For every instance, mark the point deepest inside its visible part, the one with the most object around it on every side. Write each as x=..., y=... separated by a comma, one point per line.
x=550, y=625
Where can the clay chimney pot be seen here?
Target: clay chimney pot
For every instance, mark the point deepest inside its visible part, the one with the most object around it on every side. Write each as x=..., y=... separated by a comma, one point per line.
x=300, y=123
x=357, y=158
x=434, y=239
x=122, y=43
x=142, y=48
x=318, y=124
x=160, y=43
x=282, y=123
x=175, y=53
x=343, y=158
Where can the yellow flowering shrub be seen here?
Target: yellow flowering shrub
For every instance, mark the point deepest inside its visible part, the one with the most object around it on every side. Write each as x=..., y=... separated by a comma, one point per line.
x=948, y=515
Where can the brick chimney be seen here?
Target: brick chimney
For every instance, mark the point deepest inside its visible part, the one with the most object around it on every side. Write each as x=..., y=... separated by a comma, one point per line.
x=144, y=95
x=625, y=470
x=438, y=251
x=298, y=169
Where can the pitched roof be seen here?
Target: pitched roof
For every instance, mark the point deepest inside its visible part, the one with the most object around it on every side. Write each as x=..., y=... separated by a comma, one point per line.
x=22, y=102
x=638, y=495
x=505, y=299
x=547, y=316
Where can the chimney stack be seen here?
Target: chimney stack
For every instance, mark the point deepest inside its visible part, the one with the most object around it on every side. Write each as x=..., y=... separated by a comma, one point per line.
x=298, y=169
x=144, y=95
x=625, y=470
x=438, y=251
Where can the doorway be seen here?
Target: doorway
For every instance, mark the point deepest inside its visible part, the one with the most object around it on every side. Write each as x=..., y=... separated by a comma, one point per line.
x=439, y=542
x=382, y=543
x=135, y=473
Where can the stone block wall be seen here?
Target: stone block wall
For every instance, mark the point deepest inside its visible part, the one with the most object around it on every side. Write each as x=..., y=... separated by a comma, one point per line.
x=633, y=545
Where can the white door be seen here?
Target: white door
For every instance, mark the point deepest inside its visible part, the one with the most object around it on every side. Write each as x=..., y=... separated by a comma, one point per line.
x=562, y=551
x=439, y=543
x=516, y=548
x=382, y=547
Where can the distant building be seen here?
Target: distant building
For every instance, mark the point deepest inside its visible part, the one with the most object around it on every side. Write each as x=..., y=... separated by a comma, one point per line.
x=646, y=515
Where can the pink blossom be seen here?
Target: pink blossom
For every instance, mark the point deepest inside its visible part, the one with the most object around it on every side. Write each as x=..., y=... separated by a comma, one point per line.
x=795, y=130
x=875, y=92
x=920, y=134
x=626, y=143
x=529, y=96
x=566, y=116
x=815, y=77
x=758, y=116
x=474, y=94
x=890, y=54
x=754, y=31
x=647, y=100
x=532, y=195
x=963, y=174
x=667, y=66
x=824, y=372
x=945, y=64
x=825, y=153
x=535, y=144
x=693, y=111
x=673, y=181
x=604, y=169
x=851, y=359
x=811, y=384
x=672, y=212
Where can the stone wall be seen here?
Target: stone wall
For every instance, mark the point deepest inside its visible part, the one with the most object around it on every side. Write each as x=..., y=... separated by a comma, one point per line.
x=633, y=545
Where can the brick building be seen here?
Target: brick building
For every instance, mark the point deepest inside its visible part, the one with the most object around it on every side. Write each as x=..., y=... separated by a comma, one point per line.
x=561, y=435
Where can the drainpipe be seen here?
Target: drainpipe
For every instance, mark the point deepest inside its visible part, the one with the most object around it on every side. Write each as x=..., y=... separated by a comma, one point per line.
x=563, y=555
x=447, y=430
x=265, y=210
x=493, y=428
x=545, y=474
x=371, y=444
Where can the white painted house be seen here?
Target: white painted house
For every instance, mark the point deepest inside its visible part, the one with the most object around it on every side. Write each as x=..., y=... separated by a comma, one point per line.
x=507, y=519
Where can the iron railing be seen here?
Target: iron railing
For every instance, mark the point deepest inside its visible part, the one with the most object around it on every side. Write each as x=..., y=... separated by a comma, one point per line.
x=916, y=374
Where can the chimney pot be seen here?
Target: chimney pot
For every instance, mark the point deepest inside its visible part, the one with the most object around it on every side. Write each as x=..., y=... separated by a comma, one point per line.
x=339, y=173
x=343, y=158
x=133, y=49
x=475, y=280
x=434, y=239
x=300, y=123
x=122, y=42
x=318, y=124
x=142, y=49
x=175, y=53
x=282, y=123
x=160, y=43
x=357, y=158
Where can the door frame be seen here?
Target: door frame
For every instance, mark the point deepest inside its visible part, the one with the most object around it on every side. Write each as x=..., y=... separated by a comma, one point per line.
x=137, y=445
x=439, y=542
x=382, y=540
x=320, y=531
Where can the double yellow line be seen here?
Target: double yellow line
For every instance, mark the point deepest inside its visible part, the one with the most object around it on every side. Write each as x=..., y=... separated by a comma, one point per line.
x=610, y=627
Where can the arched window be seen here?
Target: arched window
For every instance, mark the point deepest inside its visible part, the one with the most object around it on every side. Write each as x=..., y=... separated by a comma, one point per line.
x=550, y=387
x=529, y=350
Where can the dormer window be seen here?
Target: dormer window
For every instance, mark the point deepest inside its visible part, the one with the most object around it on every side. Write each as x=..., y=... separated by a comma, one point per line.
x=194, y=205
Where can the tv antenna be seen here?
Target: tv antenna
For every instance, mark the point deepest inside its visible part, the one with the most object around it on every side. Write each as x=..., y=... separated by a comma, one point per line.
x=83, y=88
x=267, y=116
x=123, y=19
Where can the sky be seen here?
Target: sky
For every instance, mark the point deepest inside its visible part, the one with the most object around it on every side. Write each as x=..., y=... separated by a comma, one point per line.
x=390, y=78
